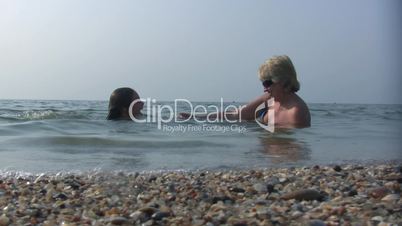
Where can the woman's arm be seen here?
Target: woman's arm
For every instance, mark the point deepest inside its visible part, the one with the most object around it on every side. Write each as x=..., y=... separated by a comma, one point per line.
x=246, y=112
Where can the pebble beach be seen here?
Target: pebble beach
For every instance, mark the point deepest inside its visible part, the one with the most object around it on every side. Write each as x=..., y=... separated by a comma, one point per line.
x=315, y=195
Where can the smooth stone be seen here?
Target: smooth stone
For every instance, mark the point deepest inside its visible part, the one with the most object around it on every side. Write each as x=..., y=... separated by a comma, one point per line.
x=43, y=191
x=240, y=224
x=306, y=194
x=380, y=212
x=377, y=218
x=221, y=218
x=261, y=188
x=88, y=214
x=114, y=199
x=4, y=221
x=393, y=185
x=217, y=207
x=391, y=197
x=148, y=210
x=394, y=178
x=261, y=202
x=378, y=193
x=153, y=205
x=139, y=216
x=339, y=211
x=385, y=224
x=112, y=212
x=60, y=196
x=352, y=192
x=273, y=181
x=148, y=223
x=67, y=211
x=237, y=190
x=282, y=179
x=337, y=168
x=136, y=215
x=297, y=207
x=296, y=214
x=273, y=196
x=225, y=176
x=222, y=198
x=160, y=215
x=263, y=214
x=32, y=212
x=152, y=178
x=59, y=204
x=270, y=188
x=316, y=223
x=118, y=220
x=49, y=223
x=74, y=185
x=171, y=188
x=39, y=178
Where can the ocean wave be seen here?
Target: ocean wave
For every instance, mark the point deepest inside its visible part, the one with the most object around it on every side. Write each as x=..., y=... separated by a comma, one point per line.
x=32, y=115
x=109, y=142
x=37, y=115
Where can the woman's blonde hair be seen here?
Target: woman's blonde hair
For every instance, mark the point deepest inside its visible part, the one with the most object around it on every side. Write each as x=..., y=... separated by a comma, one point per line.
x=280, y=69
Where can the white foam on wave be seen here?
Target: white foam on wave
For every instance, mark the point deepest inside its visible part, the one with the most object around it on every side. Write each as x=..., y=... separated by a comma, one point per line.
x=37, y=115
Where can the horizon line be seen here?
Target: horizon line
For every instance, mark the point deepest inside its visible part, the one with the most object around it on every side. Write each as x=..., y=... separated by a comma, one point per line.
x=332, y=102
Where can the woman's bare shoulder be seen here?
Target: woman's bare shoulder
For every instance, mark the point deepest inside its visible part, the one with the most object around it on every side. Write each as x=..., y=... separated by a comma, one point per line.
x=301, y=113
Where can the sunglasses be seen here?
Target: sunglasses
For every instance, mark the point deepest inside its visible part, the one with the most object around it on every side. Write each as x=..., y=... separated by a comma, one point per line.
x=267, y=83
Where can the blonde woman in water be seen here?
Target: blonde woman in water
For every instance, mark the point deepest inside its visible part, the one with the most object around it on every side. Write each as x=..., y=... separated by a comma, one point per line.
x=279, y=80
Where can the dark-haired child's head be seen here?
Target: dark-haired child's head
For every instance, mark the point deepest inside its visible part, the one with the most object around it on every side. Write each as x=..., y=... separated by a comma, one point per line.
x=120, y=101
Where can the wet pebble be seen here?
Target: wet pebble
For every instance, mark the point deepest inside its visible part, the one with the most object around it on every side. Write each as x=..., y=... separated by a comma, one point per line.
x=397, y=178
x=260, y=188
x=352, y=192
x=139, y=216
x=60, y=196
x=222, y=198
x=296, y=214
x=160, y=215
x=378, y=193
x=118, y=220
x=391, y=197
x=4, y=220
x=337, y=168
x=270, y=188
x=152, y=178
x=148, y=210
x=317, y=223
x=377, y=218
x=273, y=181
x=237, y=190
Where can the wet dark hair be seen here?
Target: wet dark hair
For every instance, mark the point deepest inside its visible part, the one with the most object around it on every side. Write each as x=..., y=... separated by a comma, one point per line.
x=120, y=101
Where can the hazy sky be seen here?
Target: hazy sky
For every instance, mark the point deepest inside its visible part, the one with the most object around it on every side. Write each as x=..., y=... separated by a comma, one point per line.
x=343, y=51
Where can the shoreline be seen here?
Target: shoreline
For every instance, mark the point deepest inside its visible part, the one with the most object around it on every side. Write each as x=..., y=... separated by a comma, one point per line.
x=348, y=194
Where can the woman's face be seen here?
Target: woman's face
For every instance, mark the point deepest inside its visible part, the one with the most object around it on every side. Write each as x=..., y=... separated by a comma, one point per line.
x=267, y=84
x=272, y=87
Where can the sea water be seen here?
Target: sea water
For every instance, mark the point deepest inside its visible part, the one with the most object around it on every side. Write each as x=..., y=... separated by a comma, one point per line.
x=66, y=136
